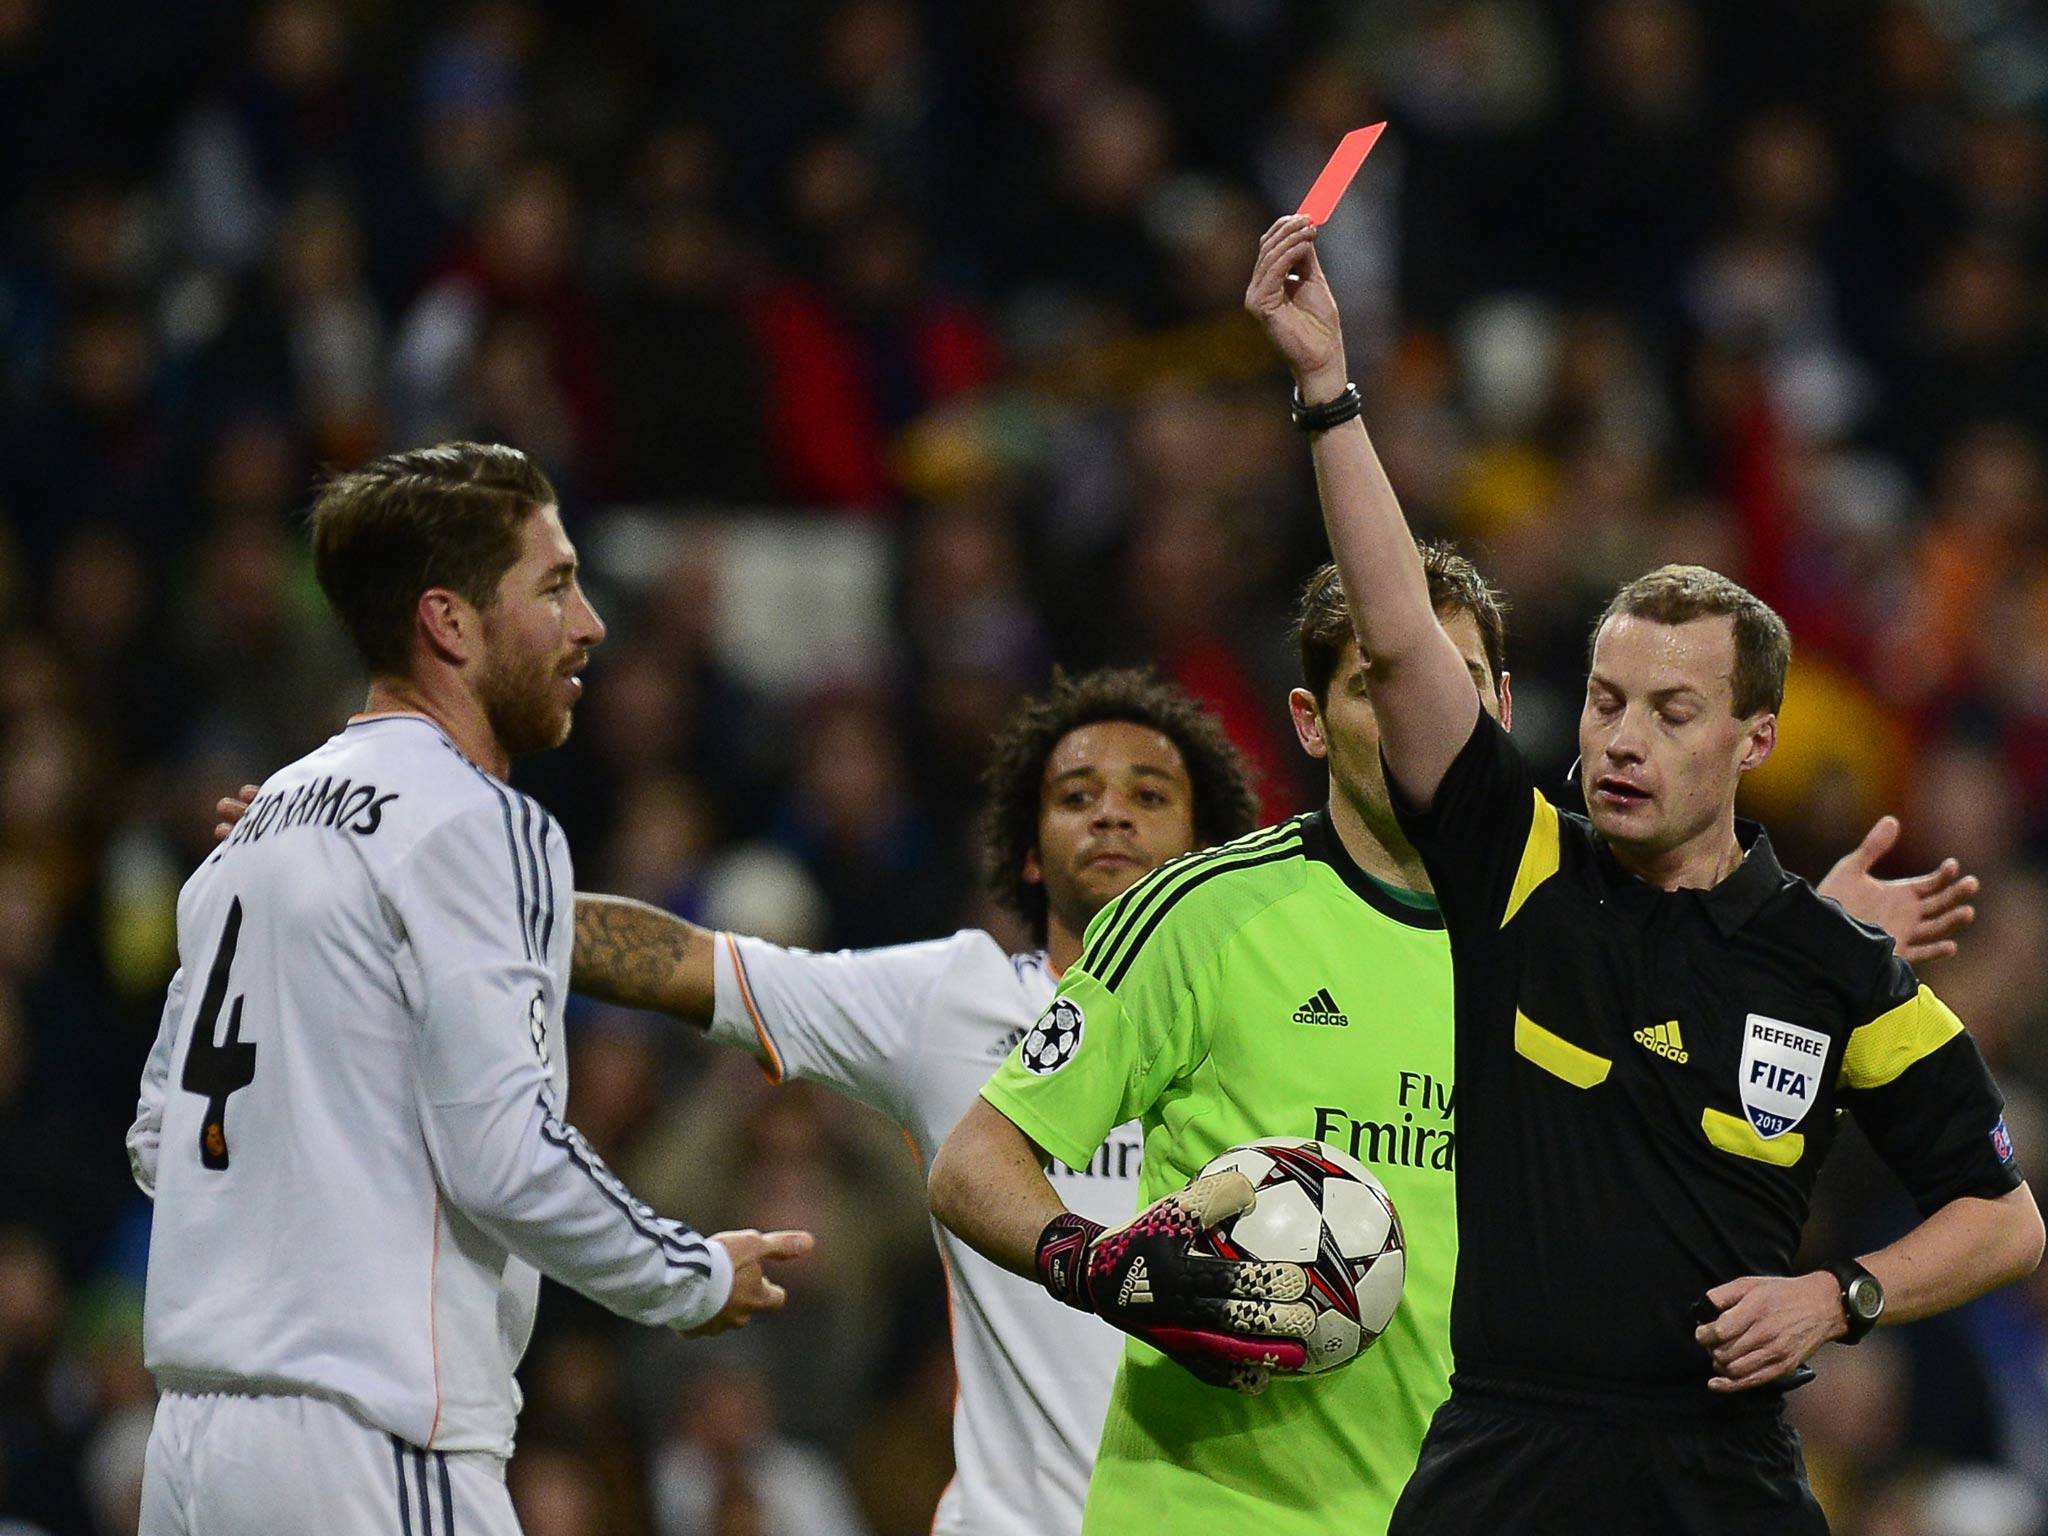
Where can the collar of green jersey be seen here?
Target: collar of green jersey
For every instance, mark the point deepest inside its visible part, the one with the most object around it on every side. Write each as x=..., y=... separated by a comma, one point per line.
x=1417, y=909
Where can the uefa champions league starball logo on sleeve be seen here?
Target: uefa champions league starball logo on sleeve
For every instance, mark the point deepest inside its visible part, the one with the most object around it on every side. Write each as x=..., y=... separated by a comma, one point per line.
x=537, y=1030
x=1054, y=1038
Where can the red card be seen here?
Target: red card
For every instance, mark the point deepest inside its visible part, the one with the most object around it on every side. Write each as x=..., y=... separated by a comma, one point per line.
x=1322, y=198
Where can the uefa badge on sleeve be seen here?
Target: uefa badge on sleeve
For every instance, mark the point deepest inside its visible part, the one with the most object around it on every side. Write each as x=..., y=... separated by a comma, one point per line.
x=1780, y=1073
x=2001, y=1143
x=1054, y=1038
x=537, y=1031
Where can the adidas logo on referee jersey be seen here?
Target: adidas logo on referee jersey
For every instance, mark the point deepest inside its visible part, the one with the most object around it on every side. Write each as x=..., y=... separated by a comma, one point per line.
x=1321, y=1009
x=1663, y=1040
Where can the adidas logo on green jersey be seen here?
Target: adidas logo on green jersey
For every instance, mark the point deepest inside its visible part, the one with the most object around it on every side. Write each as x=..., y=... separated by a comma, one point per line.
x=1321, y=1009
x=1663, y=1040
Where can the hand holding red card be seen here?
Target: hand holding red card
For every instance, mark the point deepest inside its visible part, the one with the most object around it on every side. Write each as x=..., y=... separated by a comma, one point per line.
x=1290, y=297
x=1322, y=198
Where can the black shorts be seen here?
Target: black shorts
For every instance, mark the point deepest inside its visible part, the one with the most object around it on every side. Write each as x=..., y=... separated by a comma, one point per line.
x=1506, y=1459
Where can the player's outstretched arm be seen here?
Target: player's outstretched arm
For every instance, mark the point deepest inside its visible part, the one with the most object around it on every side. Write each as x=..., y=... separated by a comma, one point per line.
x=639, y=956
x=1922, y=913
x=1420, y=688
x=1230, y=1323
x=1772, y=1323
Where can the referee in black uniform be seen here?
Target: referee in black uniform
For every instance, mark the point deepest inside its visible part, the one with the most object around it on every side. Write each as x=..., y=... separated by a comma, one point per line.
x=1656, y=1028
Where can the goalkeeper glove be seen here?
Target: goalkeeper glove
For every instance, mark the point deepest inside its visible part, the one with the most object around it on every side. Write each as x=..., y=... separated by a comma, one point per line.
x=1231, y=1322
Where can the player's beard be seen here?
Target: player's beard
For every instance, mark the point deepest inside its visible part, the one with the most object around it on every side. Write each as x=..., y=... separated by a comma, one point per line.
x=521, y=701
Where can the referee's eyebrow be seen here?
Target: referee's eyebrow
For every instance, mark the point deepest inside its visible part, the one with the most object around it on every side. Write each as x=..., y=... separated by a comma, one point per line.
x=1655, y=695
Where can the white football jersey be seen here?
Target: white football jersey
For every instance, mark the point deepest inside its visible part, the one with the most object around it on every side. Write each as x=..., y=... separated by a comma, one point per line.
x=351, y=1121
x=914, y=1031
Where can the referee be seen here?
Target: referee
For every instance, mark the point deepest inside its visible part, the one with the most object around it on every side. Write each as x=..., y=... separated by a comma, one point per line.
x=1656, y=1026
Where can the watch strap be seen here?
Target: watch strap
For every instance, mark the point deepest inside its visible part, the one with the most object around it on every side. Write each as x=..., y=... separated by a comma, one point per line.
x=1329, y=413
x=1848, y=1273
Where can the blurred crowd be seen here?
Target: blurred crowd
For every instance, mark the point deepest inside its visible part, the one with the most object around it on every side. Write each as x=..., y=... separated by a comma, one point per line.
x=1755, y=284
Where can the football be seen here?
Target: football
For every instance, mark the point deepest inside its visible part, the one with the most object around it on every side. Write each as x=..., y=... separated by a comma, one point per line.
x=1320, y=1208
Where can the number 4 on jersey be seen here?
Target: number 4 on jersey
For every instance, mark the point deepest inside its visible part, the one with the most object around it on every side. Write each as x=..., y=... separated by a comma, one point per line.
x=216, y=1071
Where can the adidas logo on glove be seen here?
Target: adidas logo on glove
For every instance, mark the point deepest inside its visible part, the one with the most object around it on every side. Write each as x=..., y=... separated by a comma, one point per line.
x=1136, y=1286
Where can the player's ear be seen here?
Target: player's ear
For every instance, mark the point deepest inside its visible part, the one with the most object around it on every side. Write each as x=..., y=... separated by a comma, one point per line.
x=448, y=624
x=1033, y=871
x=1307, y=715
x=1762, y=736
x=1507, y=701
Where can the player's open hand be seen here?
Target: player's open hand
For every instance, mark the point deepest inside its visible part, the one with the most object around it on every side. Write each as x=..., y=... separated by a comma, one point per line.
x=1769, y=1324
x=1922, y=913
x=752, y=1290
x=231, y=809
x=1291, y=298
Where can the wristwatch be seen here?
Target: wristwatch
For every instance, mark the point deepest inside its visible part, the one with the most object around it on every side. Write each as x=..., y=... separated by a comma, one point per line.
x=1862, y=1299
x=1329, y=413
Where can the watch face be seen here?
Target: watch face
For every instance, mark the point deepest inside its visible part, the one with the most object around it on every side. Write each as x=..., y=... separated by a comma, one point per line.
x=1866, y=1296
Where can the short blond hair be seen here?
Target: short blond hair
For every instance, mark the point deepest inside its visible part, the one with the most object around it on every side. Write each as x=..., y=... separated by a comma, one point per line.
x=1678, y=594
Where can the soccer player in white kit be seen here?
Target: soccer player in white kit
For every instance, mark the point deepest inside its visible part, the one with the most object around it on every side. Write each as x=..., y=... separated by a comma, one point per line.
x=351, y=1120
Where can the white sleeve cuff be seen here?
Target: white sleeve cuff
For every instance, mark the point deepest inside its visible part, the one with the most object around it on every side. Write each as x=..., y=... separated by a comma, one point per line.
x=711, y=1296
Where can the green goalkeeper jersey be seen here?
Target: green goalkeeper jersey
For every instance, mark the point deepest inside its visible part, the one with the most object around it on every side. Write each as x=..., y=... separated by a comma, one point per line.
x=1268, y=987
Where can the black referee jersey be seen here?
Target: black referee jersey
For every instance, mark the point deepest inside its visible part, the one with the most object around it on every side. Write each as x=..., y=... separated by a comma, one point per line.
x=1649, y=1080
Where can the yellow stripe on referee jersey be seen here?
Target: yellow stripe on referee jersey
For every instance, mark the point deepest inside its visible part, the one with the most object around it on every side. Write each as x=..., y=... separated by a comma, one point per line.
x=1557, y=1055
x=1880, y=1050
x=1731, y=1133
x=1539, y=855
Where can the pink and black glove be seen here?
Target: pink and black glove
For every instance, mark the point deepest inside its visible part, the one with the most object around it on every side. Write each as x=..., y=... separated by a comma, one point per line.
x=1231, y=1322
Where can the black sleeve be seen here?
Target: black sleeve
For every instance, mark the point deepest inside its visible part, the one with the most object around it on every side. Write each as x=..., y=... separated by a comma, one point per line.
x=1918, y=1087
x=1487, y=821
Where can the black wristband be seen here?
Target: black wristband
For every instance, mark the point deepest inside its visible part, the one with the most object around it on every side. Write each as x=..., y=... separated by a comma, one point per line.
x=1062, y=1258
x=1331, y=413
